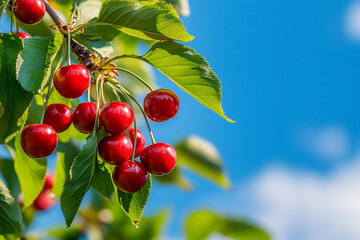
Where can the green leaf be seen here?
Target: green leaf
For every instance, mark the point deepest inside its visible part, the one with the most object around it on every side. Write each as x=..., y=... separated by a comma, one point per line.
x=14, y=100
x=102, y=181
x=201, y=224
x=31, y=173
x=3, y=6
x=66, y=153
x=133, y=204
x=10, y=215
x=34, y=63
x=79, y=181
x=8, y=172
x=187, y=69
x=175, y=177
x=145, y=19
x=203, y=158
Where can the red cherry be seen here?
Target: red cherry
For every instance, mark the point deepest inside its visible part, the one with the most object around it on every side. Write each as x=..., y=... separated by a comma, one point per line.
x=130, y=176
x=49, y=181
x=159, y=158
x=161, y=105
x=23, y=35
x=140, y=140
x=72, y=81
x=116, y=117
x=115, y=149
x=29, y=11
x=59, y=116
x=45, y=200
x=84, y=117
x=38, y=140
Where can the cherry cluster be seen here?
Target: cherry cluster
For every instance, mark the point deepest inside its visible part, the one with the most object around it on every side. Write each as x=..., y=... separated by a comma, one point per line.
x=116, y=118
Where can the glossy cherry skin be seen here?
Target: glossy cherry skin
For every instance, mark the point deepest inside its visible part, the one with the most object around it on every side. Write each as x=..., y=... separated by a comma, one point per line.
x=115, y=149
x=140, y=140
x=116, y=117
x=59, y=116
x=130, y=176
x=38, y=140
x=84, y=117
x=72, y=81
x=45, y=200
x=29, y=11
x=23, y=35
x=161, y=105
x=159, y=158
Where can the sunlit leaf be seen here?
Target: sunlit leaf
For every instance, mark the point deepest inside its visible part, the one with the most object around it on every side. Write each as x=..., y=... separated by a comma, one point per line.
x=187, y=69
x=27, y=169
x=202, y=157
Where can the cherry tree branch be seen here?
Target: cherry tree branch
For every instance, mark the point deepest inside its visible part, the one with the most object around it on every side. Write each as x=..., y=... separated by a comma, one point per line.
x=81, y=51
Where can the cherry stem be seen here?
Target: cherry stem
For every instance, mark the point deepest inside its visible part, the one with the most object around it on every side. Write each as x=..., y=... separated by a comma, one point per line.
x=142, y=111
x=88, y=93
x=11, y=17
x=82, y=52
x=132, y=74
x=16, y=26
x=98, y=96
x=102, y=92
x=135, y=128
x=69, y=46
x=47, y=99
x=122, y=56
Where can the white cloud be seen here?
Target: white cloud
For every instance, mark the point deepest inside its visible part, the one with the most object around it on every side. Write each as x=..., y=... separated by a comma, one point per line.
x=330, y=142
x=306, y=206
x=352, y=21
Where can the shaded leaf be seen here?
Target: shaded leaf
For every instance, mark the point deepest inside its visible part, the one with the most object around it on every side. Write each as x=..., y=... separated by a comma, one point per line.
x=201, y=224
x=14, y=100
x=31, y=173
x=145, y=19
x=187, y=69
x=10, y=215
x=203, y=158
x=79, y=181
x=34, y=62
x=133, y=204
x=102, y=181
x=175, y=177
x=8, y=172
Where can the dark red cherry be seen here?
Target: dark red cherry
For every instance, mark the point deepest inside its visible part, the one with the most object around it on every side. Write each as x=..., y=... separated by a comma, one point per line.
x=38, y=140
x=84, y=117
x=59, y=116
x=29, y=11
x=23, y=35
x=159, y=158
x=45, y=200
x=49, y=181
x=140, y=140
x=116, y=117
x=130, y=176
x=161, y=105
x=72, y=81
x=115, y=149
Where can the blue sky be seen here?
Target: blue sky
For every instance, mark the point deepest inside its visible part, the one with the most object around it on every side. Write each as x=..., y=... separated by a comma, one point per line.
x=290, y=73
